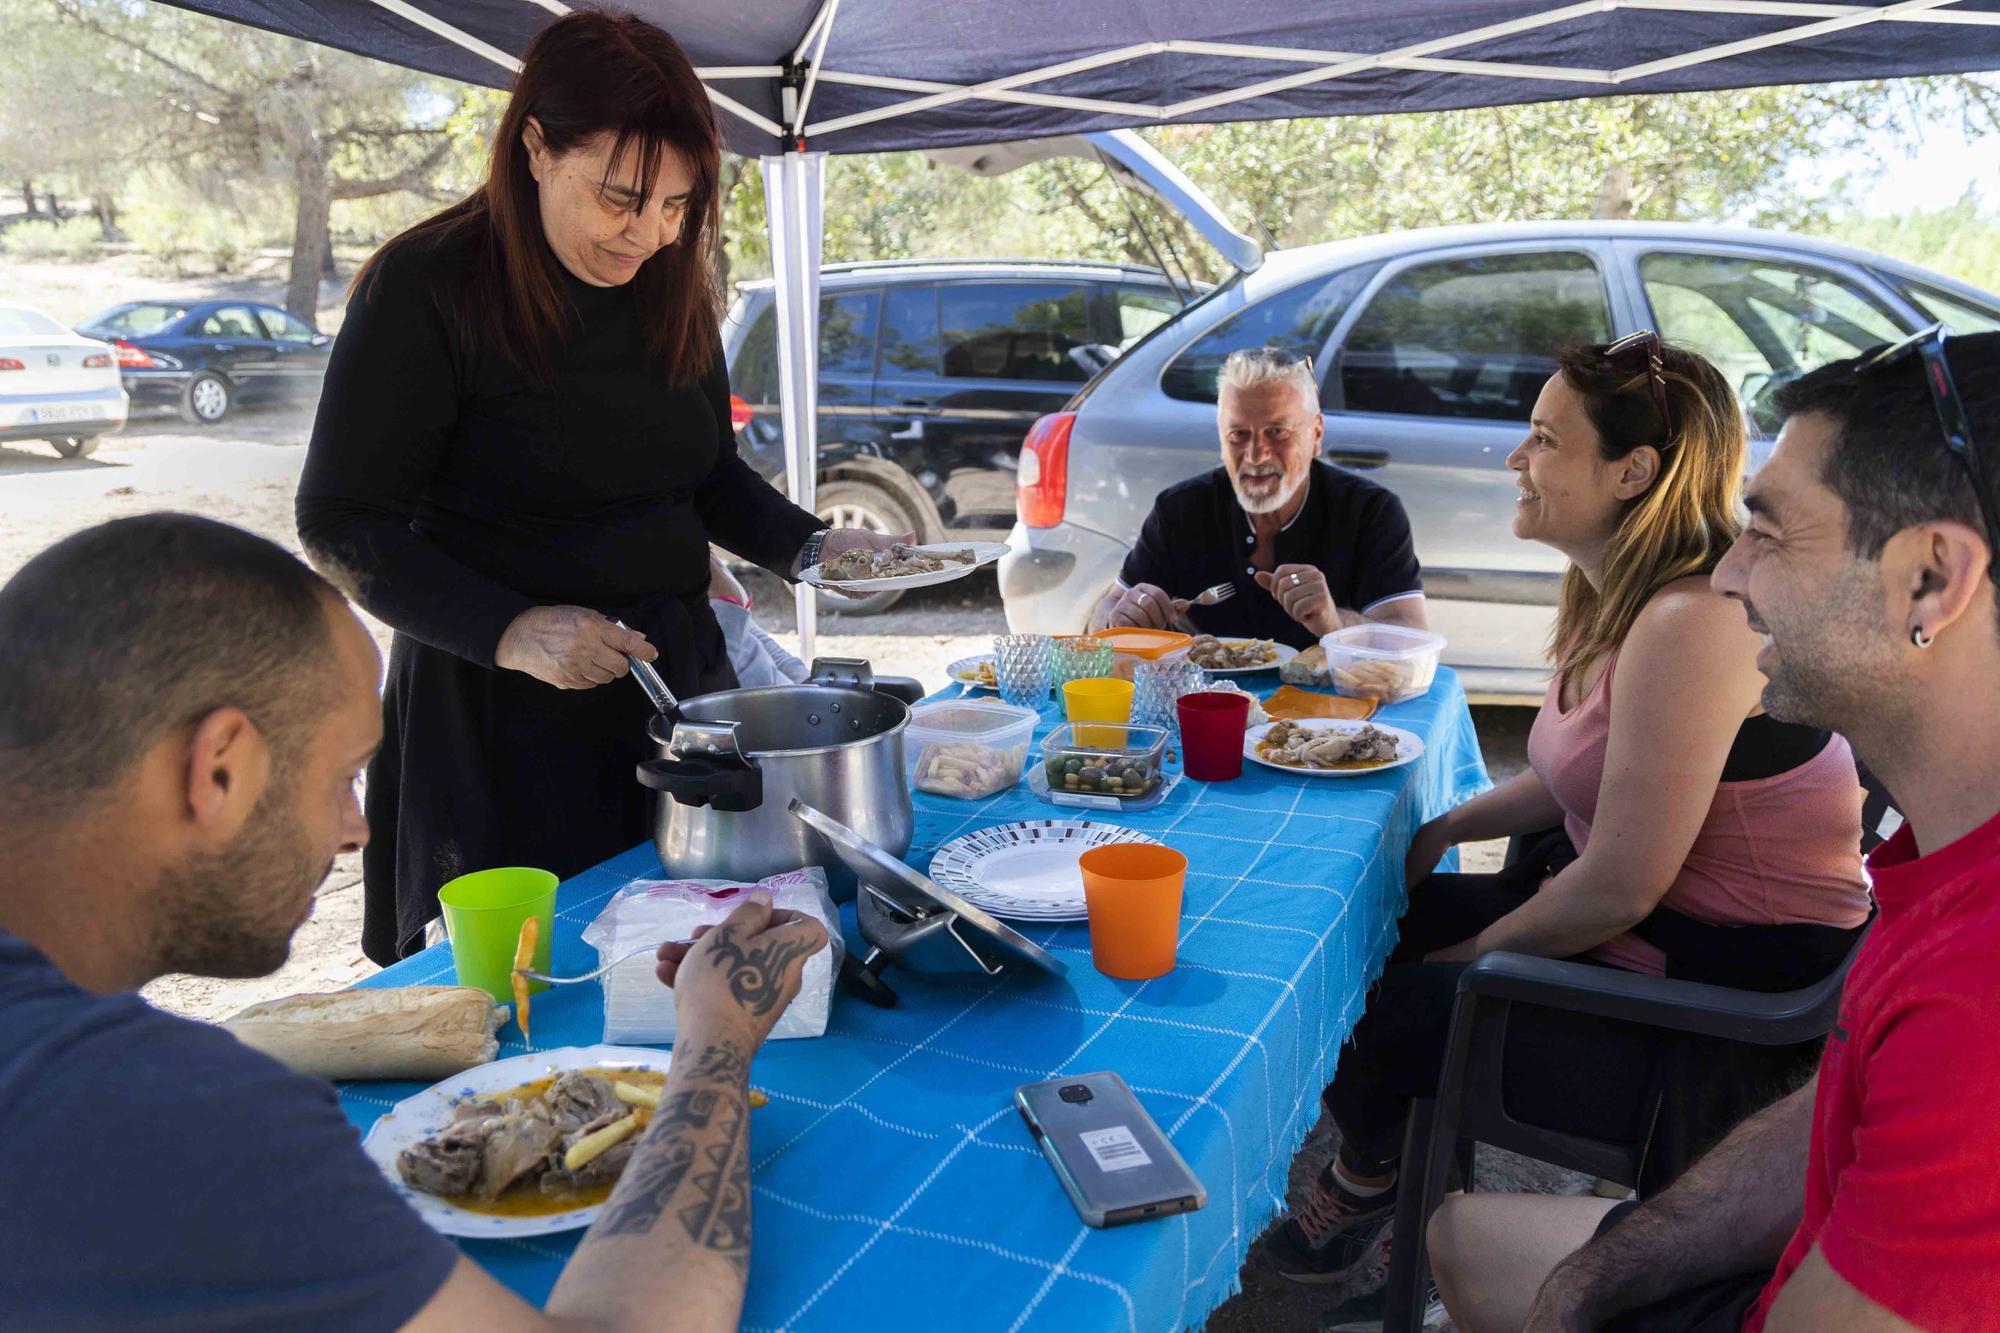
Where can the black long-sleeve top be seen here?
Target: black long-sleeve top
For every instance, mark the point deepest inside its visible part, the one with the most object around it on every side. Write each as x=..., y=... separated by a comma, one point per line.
x=459, y=492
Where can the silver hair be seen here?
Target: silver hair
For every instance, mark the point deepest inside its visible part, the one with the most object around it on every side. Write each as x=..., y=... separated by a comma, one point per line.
x=1250, y=367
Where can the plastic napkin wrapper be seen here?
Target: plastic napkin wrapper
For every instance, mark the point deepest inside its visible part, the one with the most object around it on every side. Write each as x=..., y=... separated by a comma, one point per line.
x=649, y=911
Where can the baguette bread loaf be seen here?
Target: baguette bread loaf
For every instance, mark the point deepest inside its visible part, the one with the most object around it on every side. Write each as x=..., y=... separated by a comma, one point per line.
x=413, y=1032
x=1308, y=668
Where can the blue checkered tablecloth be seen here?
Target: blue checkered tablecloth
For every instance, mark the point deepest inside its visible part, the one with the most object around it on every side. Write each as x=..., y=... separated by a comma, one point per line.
x=894, y=1185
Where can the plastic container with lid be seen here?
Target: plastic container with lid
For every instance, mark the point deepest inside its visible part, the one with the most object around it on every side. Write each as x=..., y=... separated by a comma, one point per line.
x=1386, y=662
x=967, y=748
x=1102, y=759
x=1131, y=646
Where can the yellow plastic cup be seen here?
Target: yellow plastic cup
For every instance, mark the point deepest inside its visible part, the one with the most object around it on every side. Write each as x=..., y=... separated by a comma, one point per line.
x=1133, y=894
x=1098, y=699
x=483, y=914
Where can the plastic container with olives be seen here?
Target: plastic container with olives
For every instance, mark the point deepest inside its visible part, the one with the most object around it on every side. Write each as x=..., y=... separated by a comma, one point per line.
x=1118, y=760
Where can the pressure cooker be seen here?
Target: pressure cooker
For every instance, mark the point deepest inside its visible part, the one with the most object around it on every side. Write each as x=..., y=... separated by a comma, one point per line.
x=731, y=763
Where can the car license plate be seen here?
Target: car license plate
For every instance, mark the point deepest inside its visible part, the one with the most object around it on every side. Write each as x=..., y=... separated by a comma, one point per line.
x=78, y=412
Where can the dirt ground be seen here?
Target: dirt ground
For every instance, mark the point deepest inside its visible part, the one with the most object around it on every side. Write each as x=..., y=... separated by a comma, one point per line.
x=245, y=472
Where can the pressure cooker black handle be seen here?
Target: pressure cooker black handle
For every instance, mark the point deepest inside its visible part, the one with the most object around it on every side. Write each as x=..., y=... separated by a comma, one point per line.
x=910, y=691
x=700, y=780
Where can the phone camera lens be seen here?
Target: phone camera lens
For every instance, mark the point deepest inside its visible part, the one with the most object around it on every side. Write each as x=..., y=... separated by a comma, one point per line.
x=1075, y=1092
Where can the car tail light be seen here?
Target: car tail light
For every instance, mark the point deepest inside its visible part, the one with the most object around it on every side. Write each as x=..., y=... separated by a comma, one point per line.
x=133, y=358
x=740, y=413
x=1042, y=484
x=9, y=363
x=97, y=361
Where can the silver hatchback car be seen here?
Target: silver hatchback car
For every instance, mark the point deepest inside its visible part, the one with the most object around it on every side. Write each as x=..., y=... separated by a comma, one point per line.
x=1430, y=348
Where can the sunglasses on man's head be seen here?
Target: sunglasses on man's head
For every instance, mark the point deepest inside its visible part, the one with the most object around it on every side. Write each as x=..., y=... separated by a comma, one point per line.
x=1927, y=345
x=1643, y=349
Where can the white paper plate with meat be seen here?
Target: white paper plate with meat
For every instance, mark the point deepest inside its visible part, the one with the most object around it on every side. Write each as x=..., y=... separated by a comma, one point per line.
x=1325, y=747
x=902, y=566
x=463, y=1133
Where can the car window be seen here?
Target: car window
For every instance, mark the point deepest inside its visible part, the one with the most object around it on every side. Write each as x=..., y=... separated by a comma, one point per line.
x=286, y=327
x=1764, y=322
x=1015, y=331
x=1299, y=319
x=1140, y=311
x=140, y=320
x=233, y=321
x=754, y=376
x=16, y=322
x=847, y=333
x=910, y=331
x=1962, y=315
x=1474, y=337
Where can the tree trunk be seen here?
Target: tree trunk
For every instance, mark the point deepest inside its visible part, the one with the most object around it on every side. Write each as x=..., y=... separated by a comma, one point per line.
x=107, y=216
x=311, y=249
x=1614, y=196
x=55, y=207
x=328, y=271
x=28, y=197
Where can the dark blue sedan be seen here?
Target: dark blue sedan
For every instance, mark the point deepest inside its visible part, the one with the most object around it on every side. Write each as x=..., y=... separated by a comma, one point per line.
x=205, y=357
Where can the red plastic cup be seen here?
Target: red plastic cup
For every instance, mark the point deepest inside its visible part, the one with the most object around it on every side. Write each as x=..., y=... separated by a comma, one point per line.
x=1212, y=726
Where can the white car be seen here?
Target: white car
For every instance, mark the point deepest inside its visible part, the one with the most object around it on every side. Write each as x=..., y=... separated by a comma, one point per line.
x=56, y=385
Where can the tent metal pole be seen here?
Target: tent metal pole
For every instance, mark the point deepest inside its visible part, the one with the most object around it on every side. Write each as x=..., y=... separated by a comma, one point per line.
x=794, y=199
x=438, y=27
x=825, y=22
x=1810, y=9
x=1781, y=38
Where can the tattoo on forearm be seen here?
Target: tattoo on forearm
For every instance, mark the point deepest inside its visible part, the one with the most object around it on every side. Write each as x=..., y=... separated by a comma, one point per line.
x=757, y=975
x=700, y=1140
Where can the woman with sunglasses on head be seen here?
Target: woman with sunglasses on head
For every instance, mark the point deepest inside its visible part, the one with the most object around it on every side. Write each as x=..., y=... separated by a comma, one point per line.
x=1681, y=831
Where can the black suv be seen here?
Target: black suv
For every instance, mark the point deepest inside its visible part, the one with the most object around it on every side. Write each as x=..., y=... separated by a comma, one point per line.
x=930, y=373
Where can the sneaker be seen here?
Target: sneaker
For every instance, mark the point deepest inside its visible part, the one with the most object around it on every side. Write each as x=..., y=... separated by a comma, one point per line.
x=1335, y=1239
x=1364, y=1314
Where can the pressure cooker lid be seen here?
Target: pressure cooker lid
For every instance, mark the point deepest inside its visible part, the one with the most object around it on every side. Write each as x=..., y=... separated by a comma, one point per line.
x=876, y=867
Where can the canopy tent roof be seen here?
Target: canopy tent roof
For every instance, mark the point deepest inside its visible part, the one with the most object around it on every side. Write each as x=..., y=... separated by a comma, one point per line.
x=896, y=74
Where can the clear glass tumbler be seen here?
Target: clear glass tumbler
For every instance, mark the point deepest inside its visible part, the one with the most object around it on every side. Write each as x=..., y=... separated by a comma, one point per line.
x=1156, y=686
x=1081, y=658
x=1021, y=665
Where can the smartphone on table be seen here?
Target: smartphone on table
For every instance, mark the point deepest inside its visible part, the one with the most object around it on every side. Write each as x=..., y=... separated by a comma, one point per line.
x=1113, y=1161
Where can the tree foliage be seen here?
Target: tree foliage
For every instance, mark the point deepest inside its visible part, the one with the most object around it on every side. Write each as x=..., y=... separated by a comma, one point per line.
x=97, y=90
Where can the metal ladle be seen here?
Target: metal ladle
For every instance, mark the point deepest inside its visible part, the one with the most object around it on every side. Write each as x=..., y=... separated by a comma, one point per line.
x=654, y=684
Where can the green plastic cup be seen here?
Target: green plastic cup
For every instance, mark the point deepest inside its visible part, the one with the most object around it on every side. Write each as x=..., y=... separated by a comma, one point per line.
x=483, y=914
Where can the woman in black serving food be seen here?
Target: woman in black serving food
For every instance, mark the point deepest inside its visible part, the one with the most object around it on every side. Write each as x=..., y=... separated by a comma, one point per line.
x=525, y=436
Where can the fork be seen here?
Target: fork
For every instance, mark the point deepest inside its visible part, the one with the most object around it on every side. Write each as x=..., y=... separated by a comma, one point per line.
x=1221, y=592
x=533, y=975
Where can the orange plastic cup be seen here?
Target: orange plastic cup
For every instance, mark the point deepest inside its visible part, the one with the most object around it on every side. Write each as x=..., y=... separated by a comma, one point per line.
x=1132, y=891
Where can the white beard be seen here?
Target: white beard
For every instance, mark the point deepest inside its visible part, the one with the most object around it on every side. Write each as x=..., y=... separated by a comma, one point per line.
x=1271, y=505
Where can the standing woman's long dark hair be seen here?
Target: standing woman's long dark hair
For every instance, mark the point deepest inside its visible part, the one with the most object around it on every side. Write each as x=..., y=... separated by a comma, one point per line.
x=587, y=75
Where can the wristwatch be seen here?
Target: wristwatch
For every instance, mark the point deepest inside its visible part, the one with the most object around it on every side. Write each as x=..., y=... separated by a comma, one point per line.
x=809, y=553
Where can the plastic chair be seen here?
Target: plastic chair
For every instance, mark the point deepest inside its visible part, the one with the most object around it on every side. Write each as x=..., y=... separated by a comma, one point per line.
x=1440, y=1133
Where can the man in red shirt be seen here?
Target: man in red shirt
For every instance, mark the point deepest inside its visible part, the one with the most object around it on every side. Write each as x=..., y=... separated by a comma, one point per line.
x=1870, y=1198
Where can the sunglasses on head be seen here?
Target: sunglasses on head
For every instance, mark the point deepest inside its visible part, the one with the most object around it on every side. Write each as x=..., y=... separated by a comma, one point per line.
x=1643, y=348
x=1927, y=345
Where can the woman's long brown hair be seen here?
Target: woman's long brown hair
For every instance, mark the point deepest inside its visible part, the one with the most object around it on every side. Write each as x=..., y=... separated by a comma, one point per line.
x=587, y=75
x=1684, y=523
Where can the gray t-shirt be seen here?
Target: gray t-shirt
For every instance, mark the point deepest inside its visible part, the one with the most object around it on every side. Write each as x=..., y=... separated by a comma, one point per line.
x=155, y=1173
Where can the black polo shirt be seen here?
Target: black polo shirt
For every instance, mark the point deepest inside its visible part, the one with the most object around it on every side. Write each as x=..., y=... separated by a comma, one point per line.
x=1350, y=529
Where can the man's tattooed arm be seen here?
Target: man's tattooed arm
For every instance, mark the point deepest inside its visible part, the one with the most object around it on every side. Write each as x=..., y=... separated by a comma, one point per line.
x=684, y=1197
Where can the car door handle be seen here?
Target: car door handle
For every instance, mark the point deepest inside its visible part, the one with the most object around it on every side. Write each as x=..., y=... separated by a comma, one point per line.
x=1359, y=459
x=222, y=347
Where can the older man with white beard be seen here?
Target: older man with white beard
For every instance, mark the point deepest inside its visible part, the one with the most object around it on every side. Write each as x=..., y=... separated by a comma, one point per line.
x=1309, y=548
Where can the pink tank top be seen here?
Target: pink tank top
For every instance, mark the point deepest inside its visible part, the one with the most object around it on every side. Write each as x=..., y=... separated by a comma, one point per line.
x=1781, y=850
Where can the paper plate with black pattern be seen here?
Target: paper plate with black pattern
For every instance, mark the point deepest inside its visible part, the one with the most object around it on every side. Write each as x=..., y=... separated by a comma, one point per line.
x=1027, y=870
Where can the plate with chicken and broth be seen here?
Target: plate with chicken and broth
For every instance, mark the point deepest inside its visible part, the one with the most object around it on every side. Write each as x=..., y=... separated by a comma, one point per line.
x=529, y=1146
x=1323, y=747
